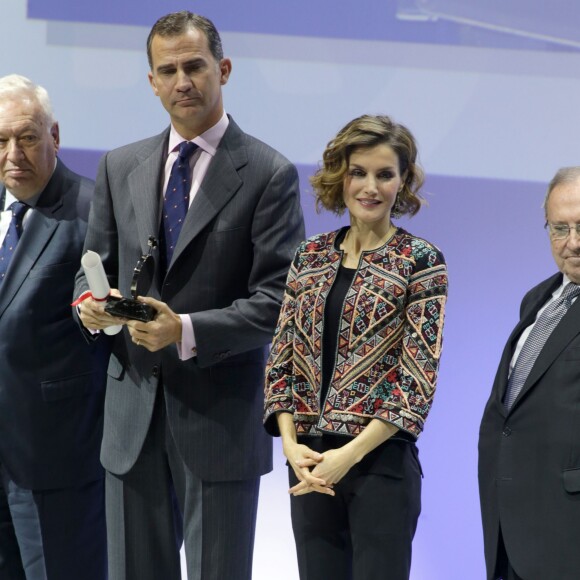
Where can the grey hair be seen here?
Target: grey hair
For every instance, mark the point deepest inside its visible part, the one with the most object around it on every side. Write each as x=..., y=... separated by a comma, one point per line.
x=563, y=175
x=17, y=86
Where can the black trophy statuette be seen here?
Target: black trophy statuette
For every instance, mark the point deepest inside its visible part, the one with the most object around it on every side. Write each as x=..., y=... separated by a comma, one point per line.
x=140, y=285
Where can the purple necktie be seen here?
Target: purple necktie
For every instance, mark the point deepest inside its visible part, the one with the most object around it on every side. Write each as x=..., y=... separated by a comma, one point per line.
x=12, y=236
x=543, y=327
x=176, y=200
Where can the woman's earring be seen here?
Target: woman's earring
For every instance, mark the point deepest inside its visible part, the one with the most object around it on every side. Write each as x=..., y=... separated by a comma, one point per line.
x=397, y=210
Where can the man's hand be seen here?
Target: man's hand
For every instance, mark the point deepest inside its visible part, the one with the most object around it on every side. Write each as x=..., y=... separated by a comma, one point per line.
x=93, y=316
x=163, y=330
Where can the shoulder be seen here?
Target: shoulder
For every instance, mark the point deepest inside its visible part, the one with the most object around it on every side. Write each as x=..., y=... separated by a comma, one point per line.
x=134, y=153
x=259, y=153
x=421, y=251
x=75, y=192
x=71, y=178
x=318, y=243
x=314, y=247
x=141, y=145
x=258, y=148
x=542, y=290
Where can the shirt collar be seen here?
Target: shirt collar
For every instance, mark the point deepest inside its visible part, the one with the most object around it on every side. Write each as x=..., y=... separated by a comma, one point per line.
x=558, y=291
x=208, y=141
x=31, y=202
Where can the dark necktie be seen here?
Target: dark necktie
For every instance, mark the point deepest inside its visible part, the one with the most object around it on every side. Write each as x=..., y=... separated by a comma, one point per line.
x=176, y=200
x=12, y=236
x=536, y=340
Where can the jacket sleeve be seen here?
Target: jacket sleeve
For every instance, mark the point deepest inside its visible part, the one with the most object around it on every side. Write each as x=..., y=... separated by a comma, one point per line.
x=280, y=365
x=408, y=404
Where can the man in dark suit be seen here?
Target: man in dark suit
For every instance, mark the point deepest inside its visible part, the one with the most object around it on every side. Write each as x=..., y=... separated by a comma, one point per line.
x=184, y=447
x=529, y=444
x=52, y=382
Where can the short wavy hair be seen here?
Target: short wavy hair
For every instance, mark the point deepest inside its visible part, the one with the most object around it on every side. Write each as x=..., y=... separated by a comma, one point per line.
x=366, y=132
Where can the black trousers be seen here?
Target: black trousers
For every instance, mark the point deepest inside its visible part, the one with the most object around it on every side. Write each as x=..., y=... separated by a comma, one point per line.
x=365, y=531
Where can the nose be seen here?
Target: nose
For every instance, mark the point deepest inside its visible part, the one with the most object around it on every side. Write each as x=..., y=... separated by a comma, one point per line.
x=14, y=151
x=184, y=82
x=573, y=241
x=371, y=185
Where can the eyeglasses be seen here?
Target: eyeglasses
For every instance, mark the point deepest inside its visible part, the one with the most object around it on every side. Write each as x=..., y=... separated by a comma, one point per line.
x=561, y=231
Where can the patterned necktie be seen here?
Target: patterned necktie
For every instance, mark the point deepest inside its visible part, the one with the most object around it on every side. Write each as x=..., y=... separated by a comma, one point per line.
x=176, y=200
x=535, y=341
x=12, y=236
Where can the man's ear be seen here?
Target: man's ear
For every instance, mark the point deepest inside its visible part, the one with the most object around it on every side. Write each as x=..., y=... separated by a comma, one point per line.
x=152, y=83
x=55, y=134
x=225, y=65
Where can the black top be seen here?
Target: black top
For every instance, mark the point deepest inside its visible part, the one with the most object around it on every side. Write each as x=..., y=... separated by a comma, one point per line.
x=332, y=318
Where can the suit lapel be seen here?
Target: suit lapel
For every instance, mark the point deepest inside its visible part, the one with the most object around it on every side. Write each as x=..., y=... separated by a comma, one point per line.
x=567, y=329
x=508, y=353
x=145, y=183
x=220, y=183
x=40, y=228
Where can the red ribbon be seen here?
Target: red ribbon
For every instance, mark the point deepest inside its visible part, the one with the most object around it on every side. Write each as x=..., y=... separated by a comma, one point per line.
x=85, y=295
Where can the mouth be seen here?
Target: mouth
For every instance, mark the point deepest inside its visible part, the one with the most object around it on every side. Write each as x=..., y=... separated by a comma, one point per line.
x=187, y=101
x=369, y=202
x=16, y=171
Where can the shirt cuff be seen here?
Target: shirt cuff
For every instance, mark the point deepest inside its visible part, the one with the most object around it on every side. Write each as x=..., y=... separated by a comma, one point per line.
x=77, y=304
x=186, y=348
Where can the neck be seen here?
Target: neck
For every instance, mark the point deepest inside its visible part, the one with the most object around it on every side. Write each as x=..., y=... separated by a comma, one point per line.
x=363, y=237
x=360, y=240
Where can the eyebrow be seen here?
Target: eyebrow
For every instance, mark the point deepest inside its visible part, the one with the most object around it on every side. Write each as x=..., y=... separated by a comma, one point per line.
x=188, y=63
x=391, y=167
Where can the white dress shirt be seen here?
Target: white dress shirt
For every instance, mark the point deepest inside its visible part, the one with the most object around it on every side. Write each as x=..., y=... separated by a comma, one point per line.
x=208, y=143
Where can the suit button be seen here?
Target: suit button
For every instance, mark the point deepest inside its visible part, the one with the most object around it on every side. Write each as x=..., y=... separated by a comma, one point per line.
x=155, y=371
x=506, y=431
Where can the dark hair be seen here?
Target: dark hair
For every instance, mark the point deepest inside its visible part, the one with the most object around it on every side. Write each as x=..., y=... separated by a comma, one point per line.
x=177, y=23
x=363, y=133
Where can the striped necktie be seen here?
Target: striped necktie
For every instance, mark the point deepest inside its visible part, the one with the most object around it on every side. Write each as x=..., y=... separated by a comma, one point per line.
x=536, y=340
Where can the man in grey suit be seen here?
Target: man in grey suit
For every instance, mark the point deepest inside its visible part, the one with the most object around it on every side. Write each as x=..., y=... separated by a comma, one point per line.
x=184, y=447
x=52, y=382
x=529, y=443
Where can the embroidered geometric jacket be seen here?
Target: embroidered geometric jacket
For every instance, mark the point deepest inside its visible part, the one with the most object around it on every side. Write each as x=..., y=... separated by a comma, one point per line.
x=389, y=342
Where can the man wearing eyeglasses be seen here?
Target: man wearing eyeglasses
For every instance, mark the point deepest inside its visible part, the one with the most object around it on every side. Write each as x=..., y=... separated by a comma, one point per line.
x=529, y=441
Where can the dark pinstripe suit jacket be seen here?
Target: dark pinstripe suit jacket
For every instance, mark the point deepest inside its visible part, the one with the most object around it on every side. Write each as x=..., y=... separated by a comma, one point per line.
x=529, y=456
x=52, y=382
x=228, y=272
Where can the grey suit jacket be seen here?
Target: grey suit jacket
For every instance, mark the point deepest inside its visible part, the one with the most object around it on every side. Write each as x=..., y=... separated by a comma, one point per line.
x=228, y=273
x=529, y=457
x=52, y=382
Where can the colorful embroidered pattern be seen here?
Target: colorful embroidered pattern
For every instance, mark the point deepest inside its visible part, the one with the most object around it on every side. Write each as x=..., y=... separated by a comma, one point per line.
x=389, y=342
